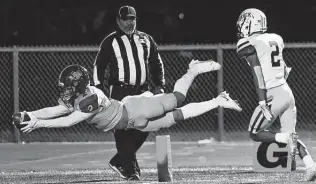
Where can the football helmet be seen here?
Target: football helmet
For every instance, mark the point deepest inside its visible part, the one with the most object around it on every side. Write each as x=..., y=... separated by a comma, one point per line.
x=73, y=81
x=251, y=21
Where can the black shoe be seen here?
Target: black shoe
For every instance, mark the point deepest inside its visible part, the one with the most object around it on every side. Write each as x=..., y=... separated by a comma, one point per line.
x=136, y=166
x=134, y=176
x=119, y=169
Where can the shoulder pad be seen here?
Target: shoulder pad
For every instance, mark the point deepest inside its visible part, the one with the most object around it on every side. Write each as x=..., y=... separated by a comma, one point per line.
x=280, y=40
x=244, y=42
x=246, y=51
x=89, y=104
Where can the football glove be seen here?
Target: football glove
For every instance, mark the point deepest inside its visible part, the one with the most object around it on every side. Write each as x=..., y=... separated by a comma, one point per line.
x=265, y=110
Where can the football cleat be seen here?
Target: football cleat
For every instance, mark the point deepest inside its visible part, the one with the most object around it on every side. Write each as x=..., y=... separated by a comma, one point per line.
x=311, y=173
x=119, y=170
x=199, y=67
x=225, y=101
x=134, y=176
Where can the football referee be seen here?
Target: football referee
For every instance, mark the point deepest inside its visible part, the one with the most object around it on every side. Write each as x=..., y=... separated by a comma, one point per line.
x=128, y=63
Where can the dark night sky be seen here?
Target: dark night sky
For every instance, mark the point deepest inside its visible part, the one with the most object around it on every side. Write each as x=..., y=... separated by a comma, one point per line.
x=32, y=22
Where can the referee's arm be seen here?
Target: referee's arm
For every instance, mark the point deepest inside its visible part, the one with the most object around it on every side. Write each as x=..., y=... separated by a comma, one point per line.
x=156, y=67
x=100, y=70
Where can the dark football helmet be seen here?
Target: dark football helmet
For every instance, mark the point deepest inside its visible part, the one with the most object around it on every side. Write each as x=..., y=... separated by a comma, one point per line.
x=73, y=81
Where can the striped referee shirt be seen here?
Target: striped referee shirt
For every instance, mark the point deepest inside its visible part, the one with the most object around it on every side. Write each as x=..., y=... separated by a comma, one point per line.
x=128, y=59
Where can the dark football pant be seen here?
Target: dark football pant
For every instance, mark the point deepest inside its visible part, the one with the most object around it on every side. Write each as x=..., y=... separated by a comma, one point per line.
x=127, y=141
x=127, y=144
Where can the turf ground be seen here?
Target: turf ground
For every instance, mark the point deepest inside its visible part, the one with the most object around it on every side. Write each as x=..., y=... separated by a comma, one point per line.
x=229, y=162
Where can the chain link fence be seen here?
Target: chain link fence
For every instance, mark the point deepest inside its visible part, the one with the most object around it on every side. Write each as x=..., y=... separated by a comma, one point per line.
x=37, y=69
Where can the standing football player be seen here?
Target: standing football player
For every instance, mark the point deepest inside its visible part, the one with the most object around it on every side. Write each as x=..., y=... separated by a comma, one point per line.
x=263, y=53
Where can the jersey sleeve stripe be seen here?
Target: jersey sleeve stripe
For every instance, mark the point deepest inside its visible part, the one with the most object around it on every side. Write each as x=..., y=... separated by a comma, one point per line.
x=243, y=45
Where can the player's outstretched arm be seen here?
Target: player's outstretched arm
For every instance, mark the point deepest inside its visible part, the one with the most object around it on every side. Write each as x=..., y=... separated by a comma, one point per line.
x=66, y=121
x=45, y=113
x=50, y=112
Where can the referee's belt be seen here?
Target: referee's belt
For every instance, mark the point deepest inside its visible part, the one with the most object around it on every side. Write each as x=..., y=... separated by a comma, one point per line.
x=125, y=85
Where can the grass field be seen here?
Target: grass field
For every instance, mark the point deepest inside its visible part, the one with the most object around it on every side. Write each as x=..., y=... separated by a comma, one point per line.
x=229, y=162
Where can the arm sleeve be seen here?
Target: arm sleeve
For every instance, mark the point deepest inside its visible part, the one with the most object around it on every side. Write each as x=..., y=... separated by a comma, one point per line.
x=260, y=88
x=156, y=67
x=101, y=66
x=248, y=53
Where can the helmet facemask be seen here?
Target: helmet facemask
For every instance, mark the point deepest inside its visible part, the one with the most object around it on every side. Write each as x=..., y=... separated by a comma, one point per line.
x=243, y=25
x=66, y=94
x=73, y=82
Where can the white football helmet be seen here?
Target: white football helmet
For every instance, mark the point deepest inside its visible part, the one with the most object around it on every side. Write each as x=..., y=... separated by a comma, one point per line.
x=251, y=21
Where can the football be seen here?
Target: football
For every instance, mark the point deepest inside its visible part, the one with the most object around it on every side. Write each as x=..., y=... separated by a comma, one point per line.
x=18, y=118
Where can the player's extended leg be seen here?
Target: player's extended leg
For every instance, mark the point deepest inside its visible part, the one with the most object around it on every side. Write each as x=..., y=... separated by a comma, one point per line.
x=158, y=105
x=195, y=109
x=170, y=101
x=183, y=84
x=189, y=111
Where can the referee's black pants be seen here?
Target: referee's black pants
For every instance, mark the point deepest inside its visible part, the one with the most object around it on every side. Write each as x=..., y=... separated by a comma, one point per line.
x=128, y=141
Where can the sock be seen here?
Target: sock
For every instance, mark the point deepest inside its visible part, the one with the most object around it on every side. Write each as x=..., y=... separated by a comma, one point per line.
x=308, y=161
x=195, y=109
x=183, y=84
x=304, y=154
x=302, y=149
x=281, y=137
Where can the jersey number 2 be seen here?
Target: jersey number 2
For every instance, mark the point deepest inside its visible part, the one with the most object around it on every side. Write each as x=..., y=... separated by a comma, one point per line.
x=274, y=54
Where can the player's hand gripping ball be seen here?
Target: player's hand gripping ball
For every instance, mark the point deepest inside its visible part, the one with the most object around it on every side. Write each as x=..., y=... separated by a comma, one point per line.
x=18, y=118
